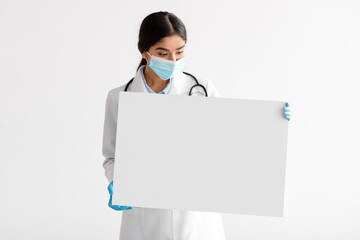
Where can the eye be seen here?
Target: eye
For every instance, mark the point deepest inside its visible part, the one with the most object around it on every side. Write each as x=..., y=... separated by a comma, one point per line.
x=162, y=54
x=180, y=52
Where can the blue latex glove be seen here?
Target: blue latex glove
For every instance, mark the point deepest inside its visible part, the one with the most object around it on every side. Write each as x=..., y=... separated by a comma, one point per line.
x=115, y=207
x=287, y=111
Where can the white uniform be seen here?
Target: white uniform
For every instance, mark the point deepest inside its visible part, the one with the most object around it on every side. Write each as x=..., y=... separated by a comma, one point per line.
x=141, y=223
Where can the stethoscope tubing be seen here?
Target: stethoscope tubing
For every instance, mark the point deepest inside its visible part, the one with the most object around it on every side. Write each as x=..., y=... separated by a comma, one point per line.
x=190, y=92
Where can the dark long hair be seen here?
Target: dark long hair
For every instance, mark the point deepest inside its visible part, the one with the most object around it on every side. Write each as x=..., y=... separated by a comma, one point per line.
x=156, y=26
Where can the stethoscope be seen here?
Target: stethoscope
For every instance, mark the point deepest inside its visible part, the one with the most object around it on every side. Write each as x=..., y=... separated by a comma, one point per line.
x=196, y=85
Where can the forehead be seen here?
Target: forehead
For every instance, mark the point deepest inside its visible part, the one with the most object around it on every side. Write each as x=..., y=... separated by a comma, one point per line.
x=171, y=43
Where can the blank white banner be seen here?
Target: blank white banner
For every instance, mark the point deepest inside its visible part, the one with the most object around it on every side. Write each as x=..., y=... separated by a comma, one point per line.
x=202, y=154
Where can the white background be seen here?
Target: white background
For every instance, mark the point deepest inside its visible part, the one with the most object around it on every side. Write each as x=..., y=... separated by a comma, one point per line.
x=58, y=59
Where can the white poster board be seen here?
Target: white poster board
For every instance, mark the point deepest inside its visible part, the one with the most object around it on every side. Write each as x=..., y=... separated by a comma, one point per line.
x=202, y=154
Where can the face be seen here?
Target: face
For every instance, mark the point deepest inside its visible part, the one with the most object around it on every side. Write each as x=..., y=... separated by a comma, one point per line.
x=170, y=48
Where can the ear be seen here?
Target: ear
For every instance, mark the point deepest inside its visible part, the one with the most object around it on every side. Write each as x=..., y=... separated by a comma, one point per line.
x=146, y=57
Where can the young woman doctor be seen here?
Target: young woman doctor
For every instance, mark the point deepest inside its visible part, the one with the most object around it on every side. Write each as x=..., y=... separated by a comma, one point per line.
x=162, y=40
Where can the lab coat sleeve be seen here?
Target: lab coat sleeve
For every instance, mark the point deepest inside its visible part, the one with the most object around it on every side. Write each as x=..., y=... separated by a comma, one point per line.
x=109, y=136
x=211, y=89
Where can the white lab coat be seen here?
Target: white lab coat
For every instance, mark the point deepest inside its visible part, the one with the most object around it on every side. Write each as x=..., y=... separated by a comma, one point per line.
x=150, y=223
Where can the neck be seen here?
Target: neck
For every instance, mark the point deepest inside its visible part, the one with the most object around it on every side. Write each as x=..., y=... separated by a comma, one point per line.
x=153, y=80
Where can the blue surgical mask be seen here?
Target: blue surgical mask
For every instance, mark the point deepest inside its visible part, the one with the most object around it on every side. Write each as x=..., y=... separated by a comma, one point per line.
x=164, y=68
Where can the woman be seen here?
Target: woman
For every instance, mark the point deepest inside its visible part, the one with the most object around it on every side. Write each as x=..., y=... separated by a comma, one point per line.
x=162, y=40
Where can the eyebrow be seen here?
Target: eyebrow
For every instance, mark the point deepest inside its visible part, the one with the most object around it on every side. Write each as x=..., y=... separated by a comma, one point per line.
x=160, y=48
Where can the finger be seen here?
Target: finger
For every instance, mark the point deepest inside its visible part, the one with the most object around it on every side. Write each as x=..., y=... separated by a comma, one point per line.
x=110, y=201
x=287, y=104
x=110, y=188
x=286, y=109
x=120, y=208
x=117, y=207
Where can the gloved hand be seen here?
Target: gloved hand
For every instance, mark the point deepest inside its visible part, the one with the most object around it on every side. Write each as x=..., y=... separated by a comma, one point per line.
x=115, y=207
x=287, y=111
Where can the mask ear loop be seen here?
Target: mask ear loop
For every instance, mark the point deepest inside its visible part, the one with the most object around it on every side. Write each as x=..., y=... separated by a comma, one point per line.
x=146, y=58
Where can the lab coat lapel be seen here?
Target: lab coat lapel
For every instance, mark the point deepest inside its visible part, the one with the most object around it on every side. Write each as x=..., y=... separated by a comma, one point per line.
x=137, y=84
x=178, y=84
